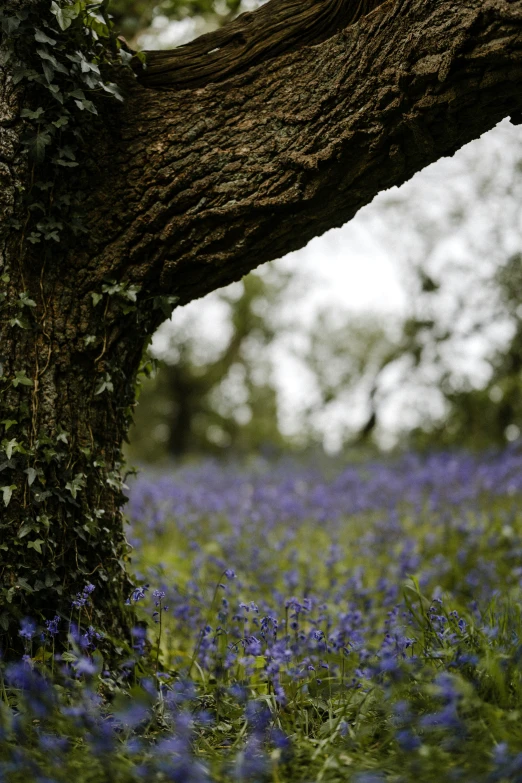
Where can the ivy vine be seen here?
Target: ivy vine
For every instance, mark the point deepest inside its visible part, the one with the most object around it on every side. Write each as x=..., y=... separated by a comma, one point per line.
x=62, y=57
x=61, y=54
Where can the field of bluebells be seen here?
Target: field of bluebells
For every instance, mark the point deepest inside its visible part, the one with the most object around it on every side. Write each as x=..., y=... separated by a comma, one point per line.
x=298, y=623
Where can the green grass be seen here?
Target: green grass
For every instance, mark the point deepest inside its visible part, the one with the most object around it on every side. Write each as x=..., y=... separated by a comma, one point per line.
x=398, y=653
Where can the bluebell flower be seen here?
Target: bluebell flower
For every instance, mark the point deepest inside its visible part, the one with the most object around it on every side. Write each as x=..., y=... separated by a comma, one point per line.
x=258, y=716
x=139, y=640
x=83, y=597
x=52, y=625
x=27, y=628
x=137, y=594
x=251, y=763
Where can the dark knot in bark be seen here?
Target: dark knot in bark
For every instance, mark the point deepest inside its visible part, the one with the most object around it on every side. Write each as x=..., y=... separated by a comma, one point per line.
x=277, y=27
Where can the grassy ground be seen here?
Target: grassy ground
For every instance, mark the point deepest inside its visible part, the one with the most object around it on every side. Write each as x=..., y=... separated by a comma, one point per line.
x=357, y=623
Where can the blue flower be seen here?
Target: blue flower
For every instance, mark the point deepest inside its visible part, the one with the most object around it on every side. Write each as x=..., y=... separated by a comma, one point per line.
x=52, y=625
x=137, y=594
x=83, y=597
x=27, y=628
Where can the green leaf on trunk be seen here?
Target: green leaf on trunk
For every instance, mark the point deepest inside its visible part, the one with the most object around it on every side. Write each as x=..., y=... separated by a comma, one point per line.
x=10, y=447
x=37, y=143
x=25, y=529
x=65, y=16
x=32, y=115
x=25, y=584
x=36, y=545
x=41, y=37
x=21, y=379
x=7, y=493
x=31, y=475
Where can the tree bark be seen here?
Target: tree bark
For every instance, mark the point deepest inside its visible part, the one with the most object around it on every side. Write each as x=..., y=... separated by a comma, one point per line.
x=188, y=190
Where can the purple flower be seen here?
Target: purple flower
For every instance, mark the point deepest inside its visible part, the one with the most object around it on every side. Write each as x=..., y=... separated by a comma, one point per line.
x=139, y=640
x=84, y=666
x=82, y=598
x=52, y=625
x=251, y=763
x=88, y=639
x=27, y=628
x=137, y=594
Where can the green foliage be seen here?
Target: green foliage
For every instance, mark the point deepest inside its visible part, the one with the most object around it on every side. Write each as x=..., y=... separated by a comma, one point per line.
x=492, y=414
x=61, y=56
x=132, y=17
x=197, y=403
x=443, y=706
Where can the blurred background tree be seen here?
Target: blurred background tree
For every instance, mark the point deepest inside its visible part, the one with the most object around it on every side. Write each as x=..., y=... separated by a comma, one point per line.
x=204, y=397
x=135, y=19
x=445, y=371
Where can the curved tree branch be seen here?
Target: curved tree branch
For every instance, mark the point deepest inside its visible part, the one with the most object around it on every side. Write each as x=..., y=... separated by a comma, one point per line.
x=278, y=27
x=205, y=184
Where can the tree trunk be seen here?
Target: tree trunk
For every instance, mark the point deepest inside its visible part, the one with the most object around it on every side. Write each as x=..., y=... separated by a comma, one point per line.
x=66, y=387
x=182, y=192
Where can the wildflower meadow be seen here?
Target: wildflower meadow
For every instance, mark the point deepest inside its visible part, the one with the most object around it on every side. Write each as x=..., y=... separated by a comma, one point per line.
x=299, y=621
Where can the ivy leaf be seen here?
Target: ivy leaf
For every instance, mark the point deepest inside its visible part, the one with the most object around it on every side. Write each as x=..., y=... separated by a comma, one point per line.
x=41, y=37
x=31, y=475
x=65, y=16
x=25, y=529
x=10, y=24
x=76, y=484
x=61, y=121
x=37, y=545
x=166, y=304
x=37, y=143
x=11, y=447
x=25, y=584
x=87, y=105
x=25, y=300
x=77, y=94
x=20, y=322
x=21, y=379
x=67, y=163
x=45, y=55
x=126, y=57
x=32, y=115
x=8, y=423
x=49, y=73
x=91, y=81
x=96, y=298
x=131, y=292
x=7, y=493
x=113, y=89
x=105, y=385
x=87, y=66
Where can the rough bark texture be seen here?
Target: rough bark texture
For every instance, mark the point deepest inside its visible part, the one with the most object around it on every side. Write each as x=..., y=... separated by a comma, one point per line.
x=206, y=184
x=61, y=523
x=189, y=190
